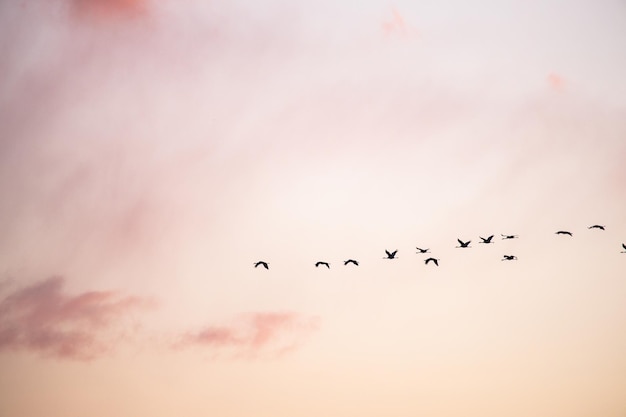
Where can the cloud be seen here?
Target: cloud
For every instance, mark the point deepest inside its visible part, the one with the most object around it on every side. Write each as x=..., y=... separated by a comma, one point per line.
x=251, y=334
x=397, y=25
x=42, y=318
x=556, y=81
x=108, y=9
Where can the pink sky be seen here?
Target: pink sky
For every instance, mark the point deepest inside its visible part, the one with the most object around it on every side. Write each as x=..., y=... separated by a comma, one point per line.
x=152, y=151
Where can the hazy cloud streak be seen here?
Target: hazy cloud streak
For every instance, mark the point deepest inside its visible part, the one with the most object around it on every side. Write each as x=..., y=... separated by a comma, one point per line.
x=42, y=318
x=272, y=333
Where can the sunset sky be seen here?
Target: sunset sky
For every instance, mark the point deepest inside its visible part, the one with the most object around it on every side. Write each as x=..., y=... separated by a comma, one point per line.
x=151, y=151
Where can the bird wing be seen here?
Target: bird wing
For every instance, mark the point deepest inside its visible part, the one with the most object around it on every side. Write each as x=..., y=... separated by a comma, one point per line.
x=490, y=237
x=460, y=242
x=436, y=262
x=394, y=253
x=388, y=254
x=623, y=245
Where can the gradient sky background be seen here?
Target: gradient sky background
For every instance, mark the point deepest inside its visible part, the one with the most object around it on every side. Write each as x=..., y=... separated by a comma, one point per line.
x=151, y=151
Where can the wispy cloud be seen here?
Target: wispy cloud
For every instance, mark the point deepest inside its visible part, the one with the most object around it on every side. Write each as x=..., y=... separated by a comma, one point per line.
x=42, y=318
x=108, y=9
x=252, y=334
x=556, y=81
x=397, y=25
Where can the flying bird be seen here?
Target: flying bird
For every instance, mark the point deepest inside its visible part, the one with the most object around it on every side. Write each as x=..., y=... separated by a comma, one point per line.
x=596, y=226
x=391, y=255
x=509, y=258
x=421, y=250
x=463, y=244
x=264, y=264
x=509, y=236
x=351, y=261
x=435, y=260
x=488, y=240
x=563, y=232
x=322, y=263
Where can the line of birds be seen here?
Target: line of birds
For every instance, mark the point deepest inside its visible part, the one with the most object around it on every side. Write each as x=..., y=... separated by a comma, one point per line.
x=462, y=244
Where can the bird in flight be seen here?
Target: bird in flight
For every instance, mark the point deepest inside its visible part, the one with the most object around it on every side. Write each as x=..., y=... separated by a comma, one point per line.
x=326, y=264
x=509, y=258
x=563, y=232
x=264, y=264
x=624, y=246
x=391, y=255
x=351, y=261
x=421, y=250
x=435, y=260
x=508, y=236
x=596, y=226
x=463, y=244
x=488, y=240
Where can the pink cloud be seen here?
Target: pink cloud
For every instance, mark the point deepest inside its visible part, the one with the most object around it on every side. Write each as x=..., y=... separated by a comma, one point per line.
x=556, y=82
x=108, y=9
x=397, y=24
x=254, y=333
x=42, y=318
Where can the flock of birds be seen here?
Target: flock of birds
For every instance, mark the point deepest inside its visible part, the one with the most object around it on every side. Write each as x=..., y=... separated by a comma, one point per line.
x=462, y=244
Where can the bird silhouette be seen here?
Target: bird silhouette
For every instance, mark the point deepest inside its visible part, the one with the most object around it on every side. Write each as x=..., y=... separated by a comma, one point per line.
x=391, y=255
x=463, y=244
x=435, y=260
x=264, y=264
x=488, y=240
x=624, y=246
x=509, y=258
x=596, y=226
x=508, y=236
x=421, y=250
x=351, y=261
x=322, y=263
x=563, y=232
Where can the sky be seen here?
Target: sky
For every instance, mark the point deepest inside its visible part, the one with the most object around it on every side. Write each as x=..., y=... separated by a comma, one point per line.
x=152, y=151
